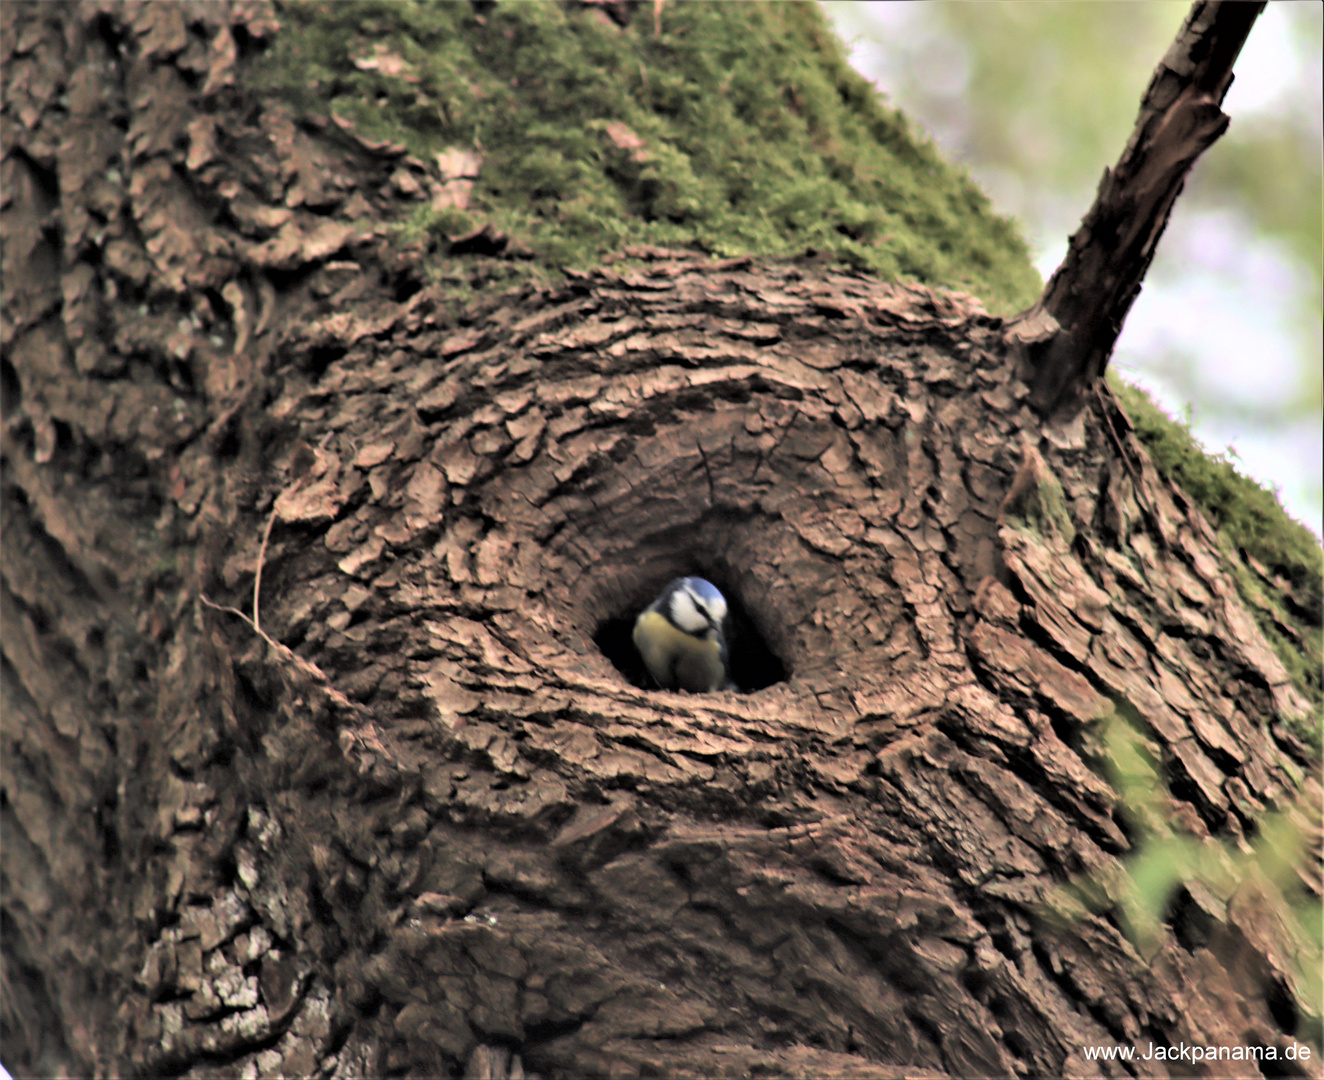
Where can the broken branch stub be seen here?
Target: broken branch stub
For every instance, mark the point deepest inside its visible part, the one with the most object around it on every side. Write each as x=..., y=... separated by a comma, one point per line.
x=1070, y=332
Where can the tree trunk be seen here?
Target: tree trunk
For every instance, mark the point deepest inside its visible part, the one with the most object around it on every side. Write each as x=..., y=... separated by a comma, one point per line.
x=407, y=805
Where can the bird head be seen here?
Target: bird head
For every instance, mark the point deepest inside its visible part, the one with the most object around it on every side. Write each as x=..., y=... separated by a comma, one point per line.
x=694, y=605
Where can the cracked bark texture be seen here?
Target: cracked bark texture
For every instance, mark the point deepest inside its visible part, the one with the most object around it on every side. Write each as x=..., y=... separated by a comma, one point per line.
x=419, y=824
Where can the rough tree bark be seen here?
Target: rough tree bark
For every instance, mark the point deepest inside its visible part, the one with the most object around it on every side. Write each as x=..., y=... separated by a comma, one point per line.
x=411, y=815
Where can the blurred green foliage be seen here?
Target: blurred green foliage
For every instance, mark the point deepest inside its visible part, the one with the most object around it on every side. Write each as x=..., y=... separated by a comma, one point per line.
x=1037, y=98
x=1045, y=96
x=1173, y=879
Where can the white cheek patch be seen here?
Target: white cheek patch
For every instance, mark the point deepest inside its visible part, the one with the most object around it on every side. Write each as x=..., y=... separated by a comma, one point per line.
x=717, y=609
x=686, y=615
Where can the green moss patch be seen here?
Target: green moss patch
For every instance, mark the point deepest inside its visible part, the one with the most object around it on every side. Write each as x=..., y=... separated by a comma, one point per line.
x=727, y=128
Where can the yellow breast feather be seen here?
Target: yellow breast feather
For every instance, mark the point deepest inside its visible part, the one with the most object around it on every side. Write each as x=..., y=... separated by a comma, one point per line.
x=677, y=660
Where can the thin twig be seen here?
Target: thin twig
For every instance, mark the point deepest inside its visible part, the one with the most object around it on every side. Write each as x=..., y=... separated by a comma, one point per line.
x=261, y=558
x=310, y=672
x=209, y=602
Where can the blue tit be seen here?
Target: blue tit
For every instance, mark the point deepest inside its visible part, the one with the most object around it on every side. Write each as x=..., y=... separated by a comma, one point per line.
x=679, y=636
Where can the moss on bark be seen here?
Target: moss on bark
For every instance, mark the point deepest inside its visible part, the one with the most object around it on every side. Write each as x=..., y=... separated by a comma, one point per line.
x=727, y=128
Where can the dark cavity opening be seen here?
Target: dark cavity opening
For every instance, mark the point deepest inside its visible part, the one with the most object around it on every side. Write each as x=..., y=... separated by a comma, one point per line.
x=754, y=665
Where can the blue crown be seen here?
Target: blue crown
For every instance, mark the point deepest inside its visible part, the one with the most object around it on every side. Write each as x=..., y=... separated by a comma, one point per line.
x=703, y=589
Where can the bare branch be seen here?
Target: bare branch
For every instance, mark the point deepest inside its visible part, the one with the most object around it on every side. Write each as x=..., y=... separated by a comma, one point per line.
x=1071, y=331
